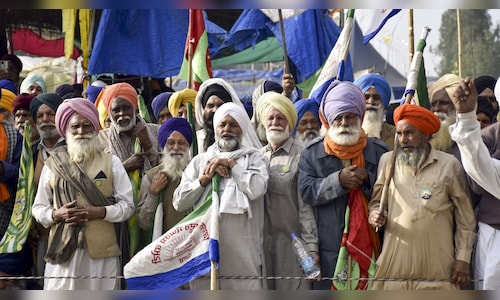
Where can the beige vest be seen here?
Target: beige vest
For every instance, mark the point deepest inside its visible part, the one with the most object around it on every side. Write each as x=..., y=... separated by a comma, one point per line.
x=100, y=235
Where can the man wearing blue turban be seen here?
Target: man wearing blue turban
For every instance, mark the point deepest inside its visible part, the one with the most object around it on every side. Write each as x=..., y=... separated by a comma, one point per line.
x=377, y=92
x=155, y=210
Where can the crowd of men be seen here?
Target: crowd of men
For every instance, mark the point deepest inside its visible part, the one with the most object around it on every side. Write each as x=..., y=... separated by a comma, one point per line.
x=379, y=196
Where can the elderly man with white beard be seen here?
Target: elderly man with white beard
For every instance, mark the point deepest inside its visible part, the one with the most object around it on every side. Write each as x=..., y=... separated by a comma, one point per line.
x=285, y=212
x=158, y=185
x=377, y=92
x=336, y=177
x=308, y=123
x=428, y=217
x=242, y=187
x=83, y=195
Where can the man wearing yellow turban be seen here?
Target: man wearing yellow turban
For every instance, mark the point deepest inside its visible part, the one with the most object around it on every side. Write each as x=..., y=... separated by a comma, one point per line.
x=285, y=212
x=178, y=102
x=6, y=99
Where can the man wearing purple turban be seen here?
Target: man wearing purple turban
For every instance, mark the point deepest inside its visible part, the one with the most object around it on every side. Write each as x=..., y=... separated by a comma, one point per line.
x=155, y=210
x=83, y=219
x=336, y=172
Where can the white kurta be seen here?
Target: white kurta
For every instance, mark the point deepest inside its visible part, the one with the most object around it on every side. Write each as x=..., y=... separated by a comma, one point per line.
x=240, y=237
x=80, y=263
x=476, y=159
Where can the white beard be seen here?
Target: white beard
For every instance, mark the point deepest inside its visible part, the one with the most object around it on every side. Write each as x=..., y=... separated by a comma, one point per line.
x=276, y=135
x=373, y=121
x=126, y=128
x=308, y=135
x=173, y=165
x=345, y=136
x=81, y=147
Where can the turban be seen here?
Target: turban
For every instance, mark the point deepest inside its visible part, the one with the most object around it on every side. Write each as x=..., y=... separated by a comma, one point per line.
x=304, y=105
x=52, y=100
x=8, y=85
x=379, y=82
x=448, y=82
x=216, y=90
x=64, y=89
x=12, y=263
x=181, y=98
x=81, y=106
x=484, y=82
x=6, y=99
x=91, y=92
x=22, y=101
x=271, y=100
x=484, y=106
x=420, y=117
x=497, y=90
x=205, y=87
x=238, y=113
x=265, y=86
x=341, y=97
x=29, y=80
x=122, y=90
x=174, y=124
x=159, y=103
x=14, y=59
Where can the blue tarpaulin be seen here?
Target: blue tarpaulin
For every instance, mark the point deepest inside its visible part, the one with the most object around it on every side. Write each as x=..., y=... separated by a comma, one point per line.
x=140, y=42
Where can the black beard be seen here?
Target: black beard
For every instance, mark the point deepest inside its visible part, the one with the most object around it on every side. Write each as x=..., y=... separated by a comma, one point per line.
x=209, y=130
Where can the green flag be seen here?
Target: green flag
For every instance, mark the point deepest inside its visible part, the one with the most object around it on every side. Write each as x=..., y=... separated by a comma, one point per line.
x=20, y=221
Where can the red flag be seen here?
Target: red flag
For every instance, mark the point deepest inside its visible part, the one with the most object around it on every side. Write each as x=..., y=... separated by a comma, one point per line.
x=197, y=45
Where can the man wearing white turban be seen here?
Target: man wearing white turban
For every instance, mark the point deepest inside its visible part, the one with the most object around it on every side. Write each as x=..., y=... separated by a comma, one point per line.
x=242, y=186
x=285, y=212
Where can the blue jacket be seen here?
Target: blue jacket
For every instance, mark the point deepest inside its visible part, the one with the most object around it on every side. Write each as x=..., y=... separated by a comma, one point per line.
x=319, y=186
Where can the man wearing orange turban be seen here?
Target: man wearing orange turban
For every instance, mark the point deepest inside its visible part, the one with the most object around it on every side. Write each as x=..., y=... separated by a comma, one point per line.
x=428, y=211
x=127, y=128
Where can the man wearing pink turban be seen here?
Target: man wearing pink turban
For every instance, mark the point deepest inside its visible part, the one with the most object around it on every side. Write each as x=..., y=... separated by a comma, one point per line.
x=336, y=176
x=428, y=211
x=82, y=219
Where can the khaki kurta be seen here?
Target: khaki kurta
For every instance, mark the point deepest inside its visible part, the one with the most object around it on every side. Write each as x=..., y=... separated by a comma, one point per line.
x=147, y=205
x=285, y=212
x=420, y=240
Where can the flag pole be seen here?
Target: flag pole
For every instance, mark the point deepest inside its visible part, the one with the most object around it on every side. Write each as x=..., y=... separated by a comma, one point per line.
x=411, y=35
x=282, y=29
x=409, y=92
x=459, y=38
x=190, y=41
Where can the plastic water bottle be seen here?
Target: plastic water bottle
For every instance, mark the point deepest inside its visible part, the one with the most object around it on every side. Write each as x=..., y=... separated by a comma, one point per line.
x=311, y=270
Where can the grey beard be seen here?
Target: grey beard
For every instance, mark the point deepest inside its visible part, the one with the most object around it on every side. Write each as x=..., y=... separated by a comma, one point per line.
x=80, y=150
x=413, y=159
x=228, y=145
x=441, y=140
x=120, y=128
x=44, y=134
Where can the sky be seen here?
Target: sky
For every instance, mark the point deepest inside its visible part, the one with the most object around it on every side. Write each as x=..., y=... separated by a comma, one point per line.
x=392, y=41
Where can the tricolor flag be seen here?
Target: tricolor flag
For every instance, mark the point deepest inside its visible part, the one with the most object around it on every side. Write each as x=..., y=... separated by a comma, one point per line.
x=20, y=221
x=372, y=20
x=197, y=45
x=417, y=80
x=335, y=63
x=183, y=253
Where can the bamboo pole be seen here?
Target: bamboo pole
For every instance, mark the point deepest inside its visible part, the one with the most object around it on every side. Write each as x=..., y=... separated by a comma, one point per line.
x=213, y=276
x=459, y=42
x=283, y=40
x=411, y=35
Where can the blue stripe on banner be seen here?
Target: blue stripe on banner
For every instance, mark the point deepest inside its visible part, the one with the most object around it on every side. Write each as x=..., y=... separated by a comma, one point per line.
x=196, y=267
x=369, y=36
x=213, y=249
